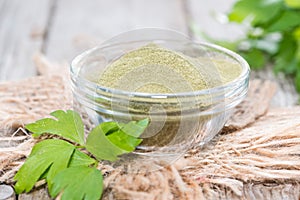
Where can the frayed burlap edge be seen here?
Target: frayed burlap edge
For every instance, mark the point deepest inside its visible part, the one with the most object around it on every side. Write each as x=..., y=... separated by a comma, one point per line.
x=232, y=166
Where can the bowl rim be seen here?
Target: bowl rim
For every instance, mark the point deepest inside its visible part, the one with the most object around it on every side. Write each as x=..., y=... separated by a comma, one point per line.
x=75, y=77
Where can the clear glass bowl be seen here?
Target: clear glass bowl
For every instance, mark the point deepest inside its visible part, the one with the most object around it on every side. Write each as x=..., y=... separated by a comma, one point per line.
x=178, y=120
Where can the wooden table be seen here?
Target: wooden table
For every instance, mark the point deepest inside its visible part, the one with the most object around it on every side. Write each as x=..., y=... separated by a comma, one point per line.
x=62, y=29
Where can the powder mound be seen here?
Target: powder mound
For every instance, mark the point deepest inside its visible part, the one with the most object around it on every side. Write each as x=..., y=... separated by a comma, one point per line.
x=154, y=69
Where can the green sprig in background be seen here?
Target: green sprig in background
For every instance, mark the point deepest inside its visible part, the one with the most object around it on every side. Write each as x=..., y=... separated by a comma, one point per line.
x=273, y=35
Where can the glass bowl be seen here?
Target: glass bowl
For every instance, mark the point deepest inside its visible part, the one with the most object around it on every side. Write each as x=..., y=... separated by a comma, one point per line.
x=178, y=120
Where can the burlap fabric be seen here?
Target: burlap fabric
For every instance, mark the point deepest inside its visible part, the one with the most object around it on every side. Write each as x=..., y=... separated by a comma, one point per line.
x=256, y=156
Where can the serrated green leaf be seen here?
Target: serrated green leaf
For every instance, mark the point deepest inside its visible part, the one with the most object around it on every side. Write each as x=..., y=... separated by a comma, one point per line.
x=109, y=140
x=53, y=154
x=78, y=183
x=101, y=147
x=135, y=128
x=255, y=58
x=78, y=158
x=292, y=3
x=124, y=141
x=262, y=11
x=286, y=21
x=81, y=159
x=68, y=125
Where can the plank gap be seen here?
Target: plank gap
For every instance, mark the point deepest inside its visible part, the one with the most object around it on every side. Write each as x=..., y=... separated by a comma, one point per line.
x=22, y=27
x=49, y=23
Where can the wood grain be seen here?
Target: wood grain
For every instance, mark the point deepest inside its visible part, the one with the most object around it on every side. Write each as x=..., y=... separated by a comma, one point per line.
x=84, y=24
x=247, y=112
x=22, y=28
x=39, y=194
x=286, y=94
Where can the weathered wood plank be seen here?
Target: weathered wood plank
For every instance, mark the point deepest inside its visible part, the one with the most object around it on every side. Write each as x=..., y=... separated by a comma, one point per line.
x=286, y=94
x=22, y=28
x=41, y=193
x=83, y=24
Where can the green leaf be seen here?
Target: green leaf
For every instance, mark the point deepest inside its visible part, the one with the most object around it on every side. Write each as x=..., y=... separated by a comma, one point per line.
x=292, y=3
x=67, y=169
x=81, y=159
x=68, y=125
x=52, y=155
x=78, y=158
x=286, y=21
x=296, y=35
x=285, y=58
x=228, y=44
x=135, y=128
x=262, y=11
x=101, y=147
x=289, y=67
x=255, y=58
x=109, y=140
x=274, y=29
x=109, y=127
x=124, y=141
x=78, y=183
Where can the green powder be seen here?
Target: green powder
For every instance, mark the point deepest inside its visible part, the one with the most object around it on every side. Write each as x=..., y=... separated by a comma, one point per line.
x=154, y=69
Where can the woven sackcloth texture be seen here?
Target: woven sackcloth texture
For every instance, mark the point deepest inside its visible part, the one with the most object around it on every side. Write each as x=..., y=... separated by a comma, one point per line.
x=256, y=156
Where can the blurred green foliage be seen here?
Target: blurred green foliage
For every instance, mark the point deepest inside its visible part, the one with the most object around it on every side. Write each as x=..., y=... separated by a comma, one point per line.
x=273, y=35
